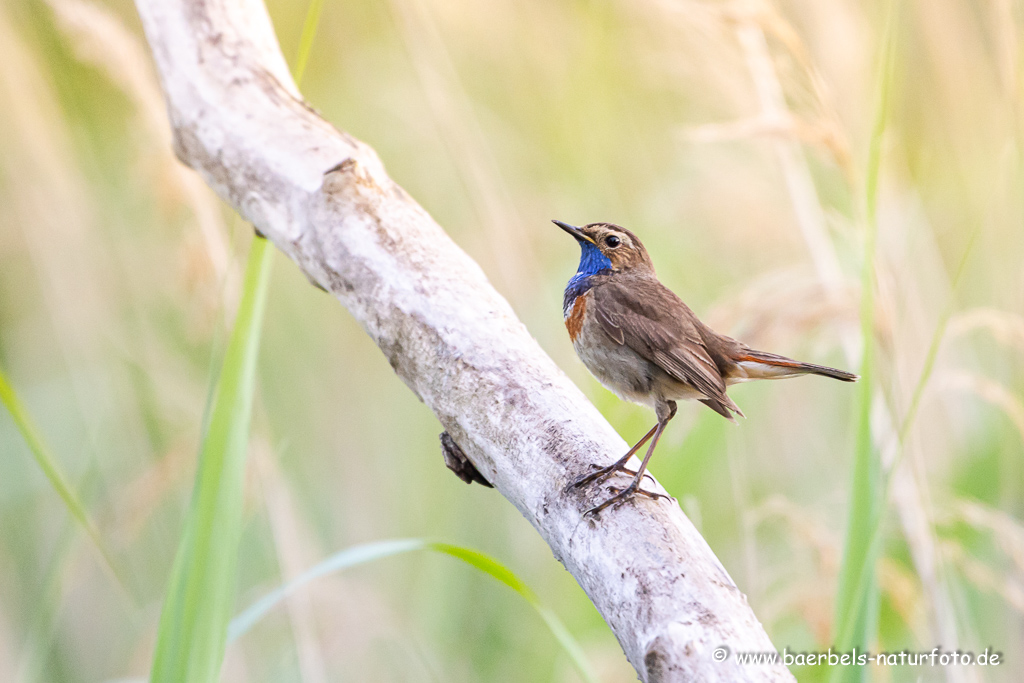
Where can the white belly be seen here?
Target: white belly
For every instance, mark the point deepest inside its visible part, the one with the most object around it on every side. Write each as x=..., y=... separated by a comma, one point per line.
x=625, y=373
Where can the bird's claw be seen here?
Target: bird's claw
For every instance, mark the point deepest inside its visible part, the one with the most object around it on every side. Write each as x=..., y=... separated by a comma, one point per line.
x=601, y=472
x=624, y=494
x=598, y=473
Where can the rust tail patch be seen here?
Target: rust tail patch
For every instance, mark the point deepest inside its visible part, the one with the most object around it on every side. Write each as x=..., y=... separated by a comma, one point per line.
x=778, y=362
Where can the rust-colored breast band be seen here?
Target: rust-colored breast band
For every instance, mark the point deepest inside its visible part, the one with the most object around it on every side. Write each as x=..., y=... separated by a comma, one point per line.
x=574, y=323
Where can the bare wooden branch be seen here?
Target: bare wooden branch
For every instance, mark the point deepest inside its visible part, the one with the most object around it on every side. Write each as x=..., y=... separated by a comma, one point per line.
x=326, y=201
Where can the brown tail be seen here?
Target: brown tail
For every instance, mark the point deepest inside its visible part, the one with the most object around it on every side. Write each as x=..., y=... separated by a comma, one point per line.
x=763, y=365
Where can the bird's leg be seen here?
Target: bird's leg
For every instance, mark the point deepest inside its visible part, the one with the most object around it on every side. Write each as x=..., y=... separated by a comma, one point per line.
x=617, y=466
x=598, y=472
x=621, y=495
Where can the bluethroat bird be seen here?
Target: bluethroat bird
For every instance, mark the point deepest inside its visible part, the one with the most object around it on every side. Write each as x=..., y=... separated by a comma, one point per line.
x=643, y=343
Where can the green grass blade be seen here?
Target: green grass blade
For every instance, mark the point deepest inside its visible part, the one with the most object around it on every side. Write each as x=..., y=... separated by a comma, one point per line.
x=41, y=634
x=350, y=557
x=490, y=566
x=309, y=27
x=933, y=349
x=193, y=624
x=51, y=468
x=368, y=552
x=857, y=595
x=864, y=580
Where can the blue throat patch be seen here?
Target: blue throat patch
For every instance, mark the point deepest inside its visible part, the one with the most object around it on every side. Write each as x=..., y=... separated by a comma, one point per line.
x=592, y=262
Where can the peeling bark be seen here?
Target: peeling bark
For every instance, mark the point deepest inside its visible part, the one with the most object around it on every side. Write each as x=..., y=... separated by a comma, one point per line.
x=326, y=201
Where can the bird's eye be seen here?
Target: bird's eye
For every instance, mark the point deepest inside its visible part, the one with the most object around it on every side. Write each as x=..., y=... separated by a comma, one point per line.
x=612, y=241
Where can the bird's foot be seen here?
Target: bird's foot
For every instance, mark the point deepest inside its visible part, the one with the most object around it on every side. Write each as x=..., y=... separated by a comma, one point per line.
x=602, y=472
x=624, y=494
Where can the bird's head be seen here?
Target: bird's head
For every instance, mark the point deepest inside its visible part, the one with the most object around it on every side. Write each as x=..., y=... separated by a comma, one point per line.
x=608, y=247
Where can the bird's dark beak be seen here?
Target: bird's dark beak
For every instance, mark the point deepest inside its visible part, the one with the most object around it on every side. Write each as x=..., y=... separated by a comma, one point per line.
x=574, y=231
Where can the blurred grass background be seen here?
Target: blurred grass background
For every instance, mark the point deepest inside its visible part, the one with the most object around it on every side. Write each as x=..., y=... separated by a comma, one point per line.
x=732, y=137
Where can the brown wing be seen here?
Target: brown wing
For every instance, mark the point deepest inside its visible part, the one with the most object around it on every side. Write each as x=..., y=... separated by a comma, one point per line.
x=647, y=317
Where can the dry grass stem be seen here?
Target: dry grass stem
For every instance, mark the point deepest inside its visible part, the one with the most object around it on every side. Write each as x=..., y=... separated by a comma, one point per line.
x=100, y=39
x=452, y=112
x=806, y=528
x=1007, y=531
x=779, y=308
x=1005, y=327
x=990, y=391
x=296, y=552
x=984, y=577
